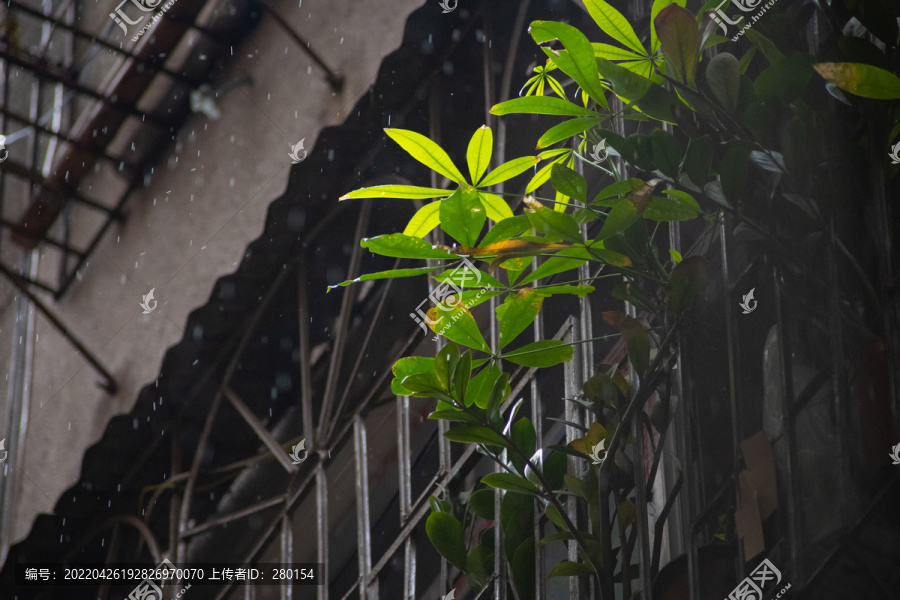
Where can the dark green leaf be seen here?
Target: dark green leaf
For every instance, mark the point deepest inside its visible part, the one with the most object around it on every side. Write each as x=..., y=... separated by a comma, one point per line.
x=658, y=5
x=464, y=276
x=462, y=375
x=506, y=229
x=638, y=344
x=568, y=568
x=555, y=225
x=543, y=353
x=455, y=416
x=517, y=312
x=446, y=535
x=522, y=567
x=620, y=188
x=570, y=183
x=524, y=438
x=394, y=274
x=475, y=435
x=481, y=385
x=552, y=266
x=579, y=290
x=698, y=159
x=510, y=482
x=666, y=153
x=620, y=218
x=498, y=395
x=555, y=468
x=445, y=364
x=457, y=324
x=482, y=503
x=680, y=207
x=652, y=99
x=723, y=75
x=423, y=384
x=687, y=282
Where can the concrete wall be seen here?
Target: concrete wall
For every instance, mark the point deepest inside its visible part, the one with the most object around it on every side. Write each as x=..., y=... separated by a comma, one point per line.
x=186, y=229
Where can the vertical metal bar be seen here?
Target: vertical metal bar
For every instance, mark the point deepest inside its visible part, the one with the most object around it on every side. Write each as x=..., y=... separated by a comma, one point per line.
x=574, y=379
x=303, y=318
x=367, y=590
x=404, y=462
x=787, y=394
x=537, y=415
x=734, y=379
x=322, y=529
x=287, y=553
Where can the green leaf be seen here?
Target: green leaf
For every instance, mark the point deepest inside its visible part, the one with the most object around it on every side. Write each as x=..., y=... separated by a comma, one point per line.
x=554, y=516
x=479, y=566
x=576, y=61
x=626, y=513
x=482, y=503
x=567, y=129
x=516, y=313
x=398, y=245
x=508, y=170
x=446, y=535
x=541, y=105
x=495, y=207
x=652, y=99
x=410, y=192
x=658, y=5
x=478, y=156
x=506, y=229
x=698, y=159
x=723, y=75
x=555, y=225
x=687, y=281
x=861, y=79
x=426, y=152
x=424, y=221
x=522, y=567
x=463, y=217
x=456, y=416
x=457, y=324
x=410, y=365
x=621, y=217
x=543, y=353
x=552, y=266
x=510, y=483
x=786, y=79
x=423, y=384
x=614, y=24
x=475, y=435
x=393, y=274
x=666, y=153
x=462, y=375
x=764, y=45
x=579, y=290
x=445, y=364
x=676, y=255
x=524, y=438
x=465, y=276
x=567, y=568
x=559, y=156
x=637, y=342
x=675, y=207
x=610, y=52
x=481, y=385
x=679, y=39
x=498, y=394
x=570, y=183
x=601, y=389
x=620, y=188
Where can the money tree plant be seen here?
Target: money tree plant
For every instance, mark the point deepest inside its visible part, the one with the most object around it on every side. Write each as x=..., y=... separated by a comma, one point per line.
x=740, y=135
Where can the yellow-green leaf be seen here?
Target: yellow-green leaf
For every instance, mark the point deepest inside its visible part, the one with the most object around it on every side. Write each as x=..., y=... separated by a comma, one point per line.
x=517, y=312
x=410, y=192
x=508, y=170
x=479, y=153
x=614, y=24
x=456, y=323
x=426, y=218
x=426, y=152
x=495, y=207
x=861, y=79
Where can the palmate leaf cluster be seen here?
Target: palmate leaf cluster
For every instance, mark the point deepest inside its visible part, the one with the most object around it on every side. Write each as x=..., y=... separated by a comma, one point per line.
x=714, y=136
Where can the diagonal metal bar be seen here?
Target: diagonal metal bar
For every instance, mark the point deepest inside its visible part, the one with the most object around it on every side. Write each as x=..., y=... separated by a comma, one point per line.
x=259, y=429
